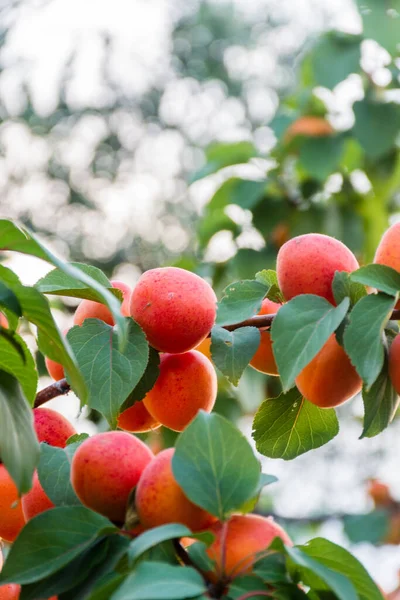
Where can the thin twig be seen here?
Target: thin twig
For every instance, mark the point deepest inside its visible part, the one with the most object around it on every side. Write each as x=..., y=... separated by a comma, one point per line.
x=58, y=388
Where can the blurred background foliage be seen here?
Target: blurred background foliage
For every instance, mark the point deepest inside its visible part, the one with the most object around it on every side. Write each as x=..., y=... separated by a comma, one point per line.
x=205, y=134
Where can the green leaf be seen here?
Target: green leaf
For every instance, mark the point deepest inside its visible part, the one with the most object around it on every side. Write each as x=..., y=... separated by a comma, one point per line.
x=272, y=568
x=220, y=155
x=242, y=586
x=381, y=22
x=380, y=404
x=381, y=277
x=371, y=528
x=269, y=278
x=59, y=283
x=244, y=193
x=300, y=329
x=376, y=126
x=215, y=465
x=212, y=223
x=50, y=541
x=241, y=300
x=340, y=560
x=109, y=374
x=147, y=381
x=363, y=337
x=343, y=286
x=155, y=536
x=54, y=475
x=9, y=300
x=321, y=156
x=233, y=350
x=289, y=425
x=198, y=555
x=281, y=122
x=19, y=446
x=335, y=57
x=337, y=582
x=16, y=359
x=159, y=581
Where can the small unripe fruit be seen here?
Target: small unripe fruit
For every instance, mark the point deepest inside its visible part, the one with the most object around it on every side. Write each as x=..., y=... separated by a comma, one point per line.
x=175, y=308
x=11, y=515
x=186, y=383
x=137, y=419
x=307, y=264
x=264, y=360
x=237, y=544
x=160, y=500
x=329, y=379
x=105, y=469
x=394, y=363
x=35, y=501
x=51, y=427
x=89, y=309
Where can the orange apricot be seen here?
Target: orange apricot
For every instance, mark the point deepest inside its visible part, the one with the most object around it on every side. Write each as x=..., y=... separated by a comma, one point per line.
x=205, y=347
x=175, y=308
x=10, y=591
x=160, y=500
x=238, y=542
x=3, y=321
x=329, y=379
x=388, y=251
x=89, y=309
x=186, y=383
x=394, y=363
x=264, y=360
x=105, y=469
x=11, y=515
x=307, y=264
x=137, y=419
x=380, y=493
x=54, y=369
x=51, y=427
x=35, y=501
x=310, y=126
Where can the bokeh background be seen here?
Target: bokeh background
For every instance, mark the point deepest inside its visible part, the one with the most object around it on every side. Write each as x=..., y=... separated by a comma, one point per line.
x=142, y=133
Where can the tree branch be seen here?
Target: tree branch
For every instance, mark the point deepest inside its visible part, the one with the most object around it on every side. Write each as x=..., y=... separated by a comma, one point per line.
x=58, y=388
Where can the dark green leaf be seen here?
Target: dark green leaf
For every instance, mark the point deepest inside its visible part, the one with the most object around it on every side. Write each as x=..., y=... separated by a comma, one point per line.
x=109, y=374
x=198, y=555
x=377, y=126
x=104, y=588
x=372, y=527
x=54, y=476
x=281, y=122
x=335, y=57
x=381, y=277
x=300, y=329
x=269, y=278
x=16, y=359
x=321, y=156
x=159, y=581
x=380, y=404
x=289, y=425
x=9, y=300
x=245, y=584
x=363, y=337
x=344, y=287
x=50, y=541
x=147, y=381
x=155, y=536
x=215, y=465
x=233, y=350
x=241, y=300
x=59, y=283
x=19, y=446
x=272, y=568
x=381, y=22
x=77, y=437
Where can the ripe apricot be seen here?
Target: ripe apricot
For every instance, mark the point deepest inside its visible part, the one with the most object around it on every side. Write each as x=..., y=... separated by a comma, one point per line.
x=51, y=427
x=3, y=321
x=186, y=383
x=160, y=500
x=264, y=360
x=10, y=591
x=11, y=515
x=380, y=493
x=329, y=379
x=310, y=126
x=105, y=469
x=137, y=419
x=54, y=369
x=388, y=251
x=35, y=501
x=394, y=363
x=306, y=265
x=205, y=347
x=239, y=540
x=175, y=308
x=88, y=309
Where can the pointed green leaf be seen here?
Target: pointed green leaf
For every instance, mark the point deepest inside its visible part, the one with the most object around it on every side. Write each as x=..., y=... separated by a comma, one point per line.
x=16, y=359
x=54, y=475
x=233, y=350
x=343, y=286
x=241, y=300
x=9, y=300
x=155, y=536
x=383, y=278
x=380, y=404
x=58, y=282
x=147, y=381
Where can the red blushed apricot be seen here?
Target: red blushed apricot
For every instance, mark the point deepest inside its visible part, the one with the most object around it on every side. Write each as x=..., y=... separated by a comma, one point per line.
x=394, y=363
x=105, y=469
x=35, y=501
x=186, y=383
x=264, y=360
x=10, y=591
x=238, y=542
x=306, y=265
x=11, y=515
x=329, y=379
x=88, y=309
x=205, y=347
x=388, y=251
x=160, y=500
x=175, y=308
x=137, y=419
x=51, y=427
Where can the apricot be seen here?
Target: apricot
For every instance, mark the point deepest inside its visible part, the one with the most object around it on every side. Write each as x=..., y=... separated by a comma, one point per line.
x=160, y=500
x=329, y=379
x=306, y=265
x=54, y=369
x=3, y=321
x=186, y=383
x=238, y=542
x=205, y=347
x=105, y=469
x=89, y=309
x=264, y=360
x=35, y=501
x=380, y=493
x=394, y=363
x=388, y=251
x=175, y=308
x=137, y=419
x=51, y=427
x=10, y=591
x=11, y=515
x=310, y=126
